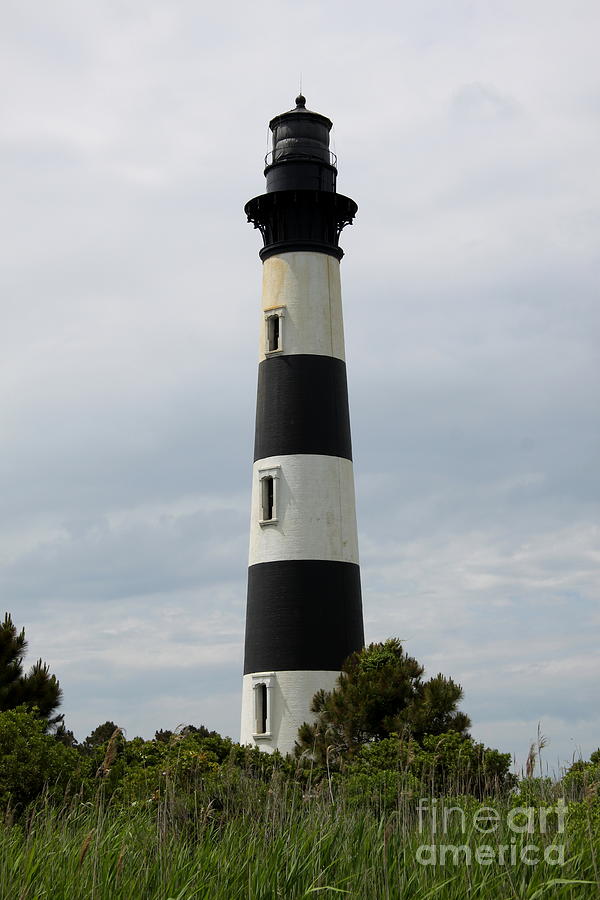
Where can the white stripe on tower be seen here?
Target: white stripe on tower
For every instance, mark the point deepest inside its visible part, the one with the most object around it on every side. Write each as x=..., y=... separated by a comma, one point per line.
x=306, y=288
x=304, y=614
x=316, y=515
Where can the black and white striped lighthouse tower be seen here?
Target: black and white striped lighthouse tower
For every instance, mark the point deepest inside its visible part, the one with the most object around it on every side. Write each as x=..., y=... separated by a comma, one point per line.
x=304, y=611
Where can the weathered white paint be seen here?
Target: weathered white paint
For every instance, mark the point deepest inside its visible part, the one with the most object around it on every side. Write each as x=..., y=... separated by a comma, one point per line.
x=307, y=286
x=316, y=513
x=290, y=696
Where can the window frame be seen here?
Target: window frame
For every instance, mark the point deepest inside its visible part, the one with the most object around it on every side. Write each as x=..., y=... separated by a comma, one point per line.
x=271, y=474
x=262, y=685
x=272, y=312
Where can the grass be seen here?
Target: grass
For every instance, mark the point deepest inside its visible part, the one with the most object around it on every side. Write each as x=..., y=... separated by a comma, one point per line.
x=278, y=843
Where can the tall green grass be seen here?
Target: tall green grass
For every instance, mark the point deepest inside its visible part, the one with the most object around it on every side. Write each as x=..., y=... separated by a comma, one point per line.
x=246, y=839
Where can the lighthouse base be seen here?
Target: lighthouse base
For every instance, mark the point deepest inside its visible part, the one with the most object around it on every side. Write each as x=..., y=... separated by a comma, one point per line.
x=276, y=704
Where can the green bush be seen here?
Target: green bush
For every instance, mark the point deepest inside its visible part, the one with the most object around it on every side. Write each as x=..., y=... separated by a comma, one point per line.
x=378, y=791
x=143, y=771
x=583, y=819
x=582, y=781
x=445, y=763
x=149, y=767
x=452, y=763
x=31, y=760
x=537, y=792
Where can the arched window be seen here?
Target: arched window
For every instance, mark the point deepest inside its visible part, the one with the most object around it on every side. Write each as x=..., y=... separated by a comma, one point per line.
x=268, y=495
x=262, y=690
x=273, y=333
x=268, y=498
x=274, y=329
x=261, y=699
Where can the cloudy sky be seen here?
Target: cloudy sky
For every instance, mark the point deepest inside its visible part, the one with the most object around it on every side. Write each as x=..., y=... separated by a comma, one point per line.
x=131, y=135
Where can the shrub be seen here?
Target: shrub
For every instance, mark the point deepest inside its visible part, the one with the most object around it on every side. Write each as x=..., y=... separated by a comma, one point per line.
x=31, y=760
x=445, y=763
x=582, y=781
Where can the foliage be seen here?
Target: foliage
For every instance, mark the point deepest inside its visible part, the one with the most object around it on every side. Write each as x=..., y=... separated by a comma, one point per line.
x=440, y=764
x=30, y=760
x=582, y=780
x=194, y=814
x=379, y=791
x=98, y=737
x=456, y=763
x=143, y=771
x=274, y=844
x=380, y=691
x=151, y=767
x=64, y=735
x=202, y=731
x=540, y=791
x=36, y=688
x=584, y=815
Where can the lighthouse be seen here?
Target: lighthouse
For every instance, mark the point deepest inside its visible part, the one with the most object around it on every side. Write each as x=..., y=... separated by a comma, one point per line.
x=304, y=609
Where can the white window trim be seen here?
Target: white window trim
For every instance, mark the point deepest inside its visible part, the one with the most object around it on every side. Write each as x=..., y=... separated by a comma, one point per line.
x=273, y=472
x=278, y=311
x=268, y=679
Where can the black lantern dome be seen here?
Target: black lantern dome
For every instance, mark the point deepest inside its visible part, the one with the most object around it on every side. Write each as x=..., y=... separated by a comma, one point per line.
x=300, y=157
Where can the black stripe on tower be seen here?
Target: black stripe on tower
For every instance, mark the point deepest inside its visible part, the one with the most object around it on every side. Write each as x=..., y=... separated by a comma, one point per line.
x=302, y=615
x=302, y=407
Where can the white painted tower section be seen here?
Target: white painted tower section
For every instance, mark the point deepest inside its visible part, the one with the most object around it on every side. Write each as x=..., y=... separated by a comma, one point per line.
x=313, y=515
x=306, y=287
x=287, y=706
x=314, y=506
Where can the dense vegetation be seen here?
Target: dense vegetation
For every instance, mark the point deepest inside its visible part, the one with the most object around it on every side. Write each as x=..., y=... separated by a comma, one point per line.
x=191, y=814
x=194, y=815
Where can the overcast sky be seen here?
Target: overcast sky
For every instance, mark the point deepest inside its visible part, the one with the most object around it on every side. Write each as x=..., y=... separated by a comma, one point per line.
x=131, y=135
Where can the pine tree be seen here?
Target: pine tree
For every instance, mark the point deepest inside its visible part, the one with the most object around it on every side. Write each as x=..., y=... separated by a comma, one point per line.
x=36, y=688
x=379, y=692
x=99, y=736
